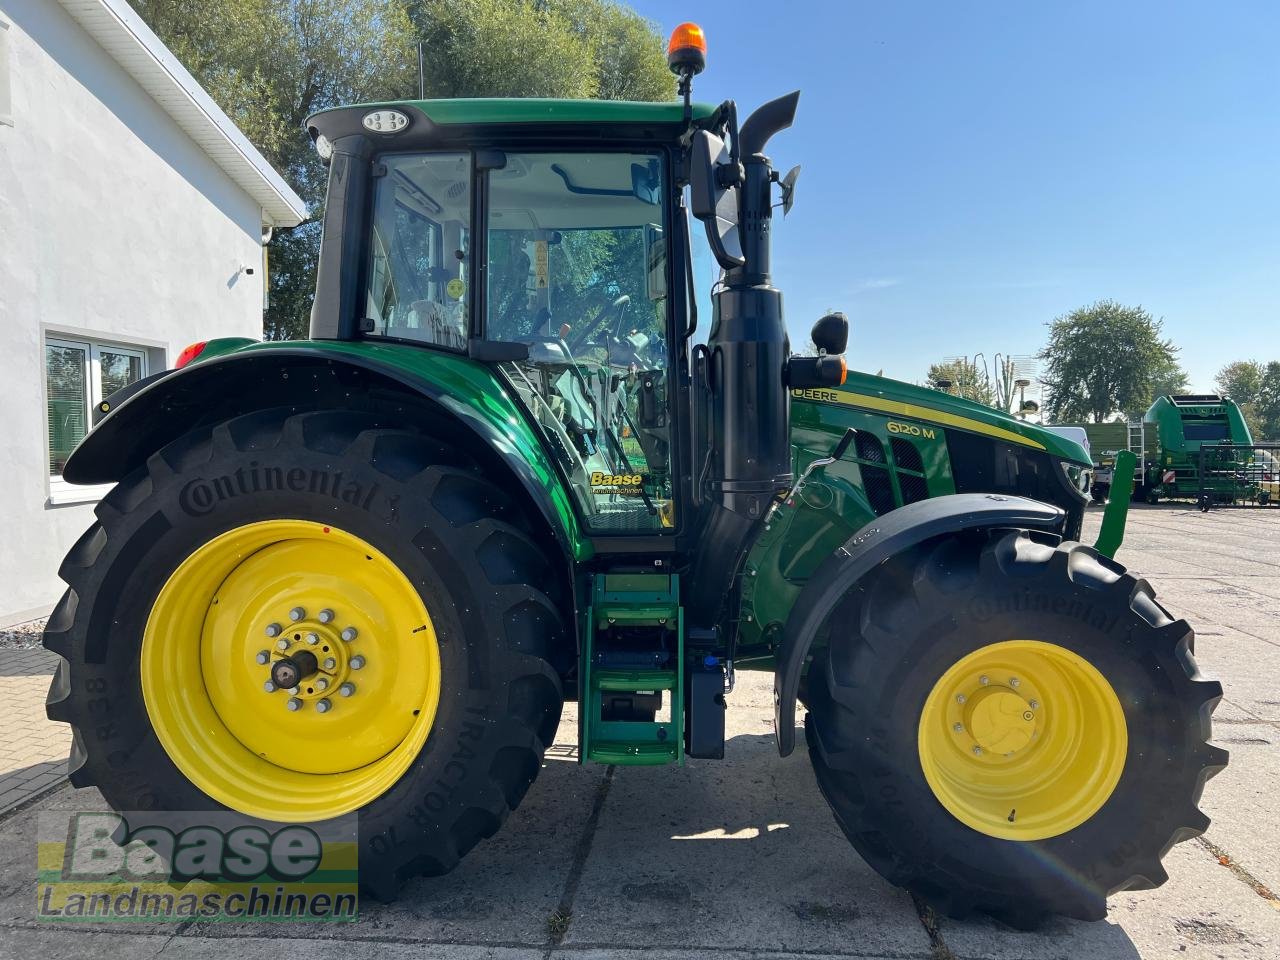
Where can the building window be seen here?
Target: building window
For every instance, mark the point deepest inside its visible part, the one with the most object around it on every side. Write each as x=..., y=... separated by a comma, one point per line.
x=78, y=375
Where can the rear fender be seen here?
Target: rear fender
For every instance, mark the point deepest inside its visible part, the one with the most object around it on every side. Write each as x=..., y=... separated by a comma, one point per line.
x=457, y=397
x=881, y=539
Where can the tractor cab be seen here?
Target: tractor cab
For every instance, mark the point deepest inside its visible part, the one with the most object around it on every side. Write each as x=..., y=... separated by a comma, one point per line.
x=552, y=241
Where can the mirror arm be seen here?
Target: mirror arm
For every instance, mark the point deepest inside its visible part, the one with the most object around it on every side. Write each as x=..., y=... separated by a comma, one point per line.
x=690, y=293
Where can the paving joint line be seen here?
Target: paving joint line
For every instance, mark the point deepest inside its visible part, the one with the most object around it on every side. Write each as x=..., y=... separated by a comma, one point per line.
x=1253, y=718
x=28, y=802
x=938, y=949
x=1239, y=872
x=560, y=921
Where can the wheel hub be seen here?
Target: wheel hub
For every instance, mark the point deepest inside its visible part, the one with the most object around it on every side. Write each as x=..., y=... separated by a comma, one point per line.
x=1000, y=721
x=312, y=660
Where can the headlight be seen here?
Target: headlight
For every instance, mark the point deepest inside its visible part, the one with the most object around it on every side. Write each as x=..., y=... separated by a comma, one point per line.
x=1078, y=476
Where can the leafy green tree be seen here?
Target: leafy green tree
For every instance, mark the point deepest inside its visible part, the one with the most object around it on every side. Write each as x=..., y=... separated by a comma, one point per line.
x=1242, y=381
x=1167, y=378
x=540, y=48
x=272, y=63
x=1105, y=358
x=967, y=380
x=1268, y=403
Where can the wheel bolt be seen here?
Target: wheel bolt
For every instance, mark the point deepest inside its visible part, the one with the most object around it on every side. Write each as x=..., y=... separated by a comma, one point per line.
x=958, y=727
x=350, y=633
x=959, y=698
x=321, y=683
x=330, y=663
x=326, y=615
x=282, y=644
x=357, y=663
x=262, y=656
x=347, y=689
x=297, y=613
x=984, y=680
x=324, y=706
x=294, y=691
x=977, y=750
x=313, y=638
x=269, y=687
x=274, y=629
x=1034, y=704
x=294, y=704
x=1014, y=681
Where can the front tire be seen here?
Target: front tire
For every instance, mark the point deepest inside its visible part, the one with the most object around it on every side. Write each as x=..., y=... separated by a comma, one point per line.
x=306, y=525
x=1078, y=748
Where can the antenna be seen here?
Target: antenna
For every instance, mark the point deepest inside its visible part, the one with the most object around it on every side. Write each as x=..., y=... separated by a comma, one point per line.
x=422, y=73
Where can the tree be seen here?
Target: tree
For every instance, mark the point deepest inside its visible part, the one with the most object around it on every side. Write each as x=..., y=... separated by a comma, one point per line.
x=272, y=63
x=1166, y=378
x=1268, y=404
x=540, y=48
x=1242, y=381
x=1106, y=358
x=967, y=380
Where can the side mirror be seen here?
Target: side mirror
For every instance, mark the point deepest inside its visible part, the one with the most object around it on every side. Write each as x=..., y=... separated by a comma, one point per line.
x=655, y=259
x=788, y=185
x=831, y=333
x=713, y=204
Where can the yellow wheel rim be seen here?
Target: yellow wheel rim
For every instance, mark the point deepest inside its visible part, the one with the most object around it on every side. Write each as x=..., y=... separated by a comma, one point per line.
x=294, y=589
x=1022, y=740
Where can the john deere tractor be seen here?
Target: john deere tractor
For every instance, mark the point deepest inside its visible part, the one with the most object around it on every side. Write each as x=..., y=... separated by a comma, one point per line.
x=534, y=451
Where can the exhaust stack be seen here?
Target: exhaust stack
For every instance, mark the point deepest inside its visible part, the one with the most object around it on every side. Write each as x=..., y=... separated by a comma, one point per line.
x=748, y=344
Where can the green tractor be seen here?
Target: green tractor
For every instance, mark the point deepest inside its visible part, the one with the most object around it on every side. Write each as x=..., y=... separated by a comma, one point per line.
x=362, y=573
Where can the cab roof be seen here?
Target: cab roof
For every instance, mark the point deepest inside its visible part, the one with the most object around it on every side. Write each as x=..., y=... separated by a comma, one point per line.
x=446, y=118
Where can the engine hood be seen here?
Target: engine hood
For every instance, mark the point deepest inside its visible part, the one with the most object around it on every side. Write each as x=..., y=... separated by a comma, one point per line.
x=914, y=402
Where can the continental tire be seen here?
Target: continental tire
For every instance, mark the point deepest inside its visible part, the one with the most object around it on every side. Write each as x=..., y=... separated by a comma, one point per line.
x=873, y=692
x=493, y=593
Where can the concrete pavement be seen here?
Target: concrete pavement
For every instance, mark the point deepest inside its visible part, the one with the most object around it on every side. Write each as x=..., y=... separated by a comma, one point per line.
x=741, y=858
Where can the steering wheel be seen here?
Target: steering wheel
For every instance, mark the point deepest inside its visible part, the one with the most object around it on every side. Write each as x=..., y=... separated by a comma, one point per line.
x=616, y=309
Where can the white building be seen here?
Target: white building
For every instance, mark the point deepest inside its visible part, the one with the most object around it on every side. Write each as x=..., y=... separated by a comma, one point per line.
x=132, y=217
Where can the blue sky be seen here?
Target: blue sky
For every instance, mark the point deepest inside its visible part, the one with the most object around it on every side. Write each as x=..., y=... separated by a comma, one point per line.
x=972, y=170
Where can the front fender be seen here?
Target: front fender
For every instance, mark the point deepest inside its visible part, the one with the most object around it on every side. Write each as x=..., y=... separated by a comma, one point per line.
x=465, y=396
x=878, y=541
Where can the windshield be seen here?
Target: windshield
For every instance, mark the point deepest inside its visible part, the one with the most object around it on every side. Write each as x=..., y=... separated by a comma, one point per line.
x=577, y=270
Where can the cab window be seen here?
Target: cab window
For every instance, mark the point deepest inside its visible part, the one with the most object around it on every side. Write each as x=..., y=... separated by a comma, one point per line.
x=577, y=270
x=417, y=275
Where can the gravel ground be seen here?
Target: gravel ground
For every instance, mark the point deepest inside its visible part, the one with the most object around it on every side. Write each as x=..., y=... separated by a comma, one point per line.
x=22, y=636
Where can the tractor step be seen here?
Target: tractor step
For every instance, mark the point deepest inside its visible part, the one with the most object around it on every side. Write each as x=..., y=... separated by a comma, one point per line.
x=633, y=660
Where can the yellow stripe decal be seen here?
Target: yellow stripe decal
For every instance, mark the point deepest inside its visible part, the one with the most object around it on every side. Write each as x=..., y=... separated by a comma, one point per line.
x=933, y=416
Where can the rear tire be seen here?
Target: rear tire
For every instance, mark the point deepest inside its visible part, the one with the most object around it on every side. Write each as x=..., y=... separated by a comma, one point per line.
x=923, y=613
x=492, y=589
